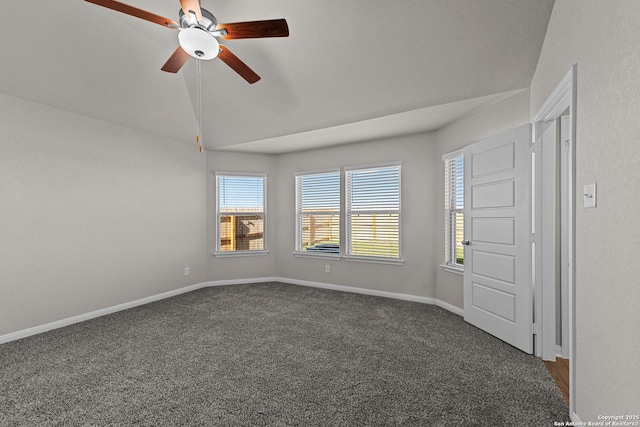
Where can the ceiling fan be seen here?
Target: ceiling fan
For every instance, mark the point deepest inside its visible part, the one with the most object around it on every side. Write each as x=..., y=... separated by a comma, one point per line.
x=200, y=33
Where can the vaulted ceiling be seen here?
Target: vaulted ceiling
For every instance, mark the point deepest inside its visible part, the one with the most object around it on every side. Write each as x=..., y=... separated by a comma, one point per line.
x=350, y=70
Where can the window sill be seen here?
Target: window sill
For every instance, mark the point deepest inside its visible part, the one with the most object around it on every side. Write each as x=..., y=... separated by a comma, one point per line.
x=375, y=260
x=317, y=255
x=239, y=253
x=453, y=269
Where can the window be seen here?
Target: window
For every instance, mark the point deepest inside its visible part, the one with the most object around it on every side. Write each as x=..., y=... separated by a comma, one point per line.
x=318, y=213
x=454, y=205
x=373, y=213
x=240, y=213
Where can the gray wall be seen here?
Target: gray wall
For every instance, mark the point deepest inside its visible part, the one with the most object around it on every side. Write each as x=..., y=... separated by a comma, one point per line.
x=603, y=39
x=92, y=215
x=491, y=120
x=419, y=204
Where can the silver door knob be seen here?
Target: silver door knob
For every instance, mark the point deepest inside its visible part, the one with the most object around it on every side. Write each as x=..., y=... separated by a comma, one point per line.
x=466, y=242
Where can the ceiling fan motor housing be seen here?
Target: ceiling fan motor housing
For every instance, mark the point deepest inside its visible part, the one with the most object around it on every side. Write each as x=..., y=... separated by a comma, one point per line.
x=208, y=21
x=196, y=38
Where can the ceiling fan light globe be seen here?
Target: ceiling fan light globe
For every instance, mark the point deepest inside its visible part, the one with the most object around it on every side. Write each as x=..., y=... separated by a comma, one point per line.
x=198, y=43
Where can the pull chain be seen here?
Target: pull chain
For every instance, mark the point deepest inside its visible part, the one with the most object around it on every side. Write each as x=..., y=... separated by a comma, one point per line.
x=199, y=103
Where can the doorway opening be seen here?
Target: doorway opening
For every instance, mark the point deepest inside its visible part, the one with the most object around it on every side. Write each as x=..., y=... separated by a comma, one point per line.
x=554, y=229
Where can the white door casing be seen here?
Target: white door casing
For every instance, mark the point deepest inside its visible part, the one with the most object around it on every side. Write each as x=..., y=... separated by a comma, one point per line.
x=545, y=202
x=552, y=261
x=498, y=295
x=566, y=226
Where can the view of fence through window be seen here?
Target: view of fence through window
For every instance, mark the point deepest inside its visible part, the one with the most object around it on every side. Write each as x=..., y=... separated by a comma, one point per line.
x=373, y=212
x=318, y=212
x=240, y=213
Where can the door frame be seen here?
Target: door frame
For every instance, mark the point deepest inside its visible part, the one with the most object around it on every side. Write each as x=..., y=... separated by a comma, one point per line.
x=563, y=97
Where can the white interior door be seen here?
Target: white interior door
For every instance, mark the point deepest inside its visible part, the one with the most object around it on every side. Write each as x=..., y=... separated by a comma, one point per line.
x=497, y=227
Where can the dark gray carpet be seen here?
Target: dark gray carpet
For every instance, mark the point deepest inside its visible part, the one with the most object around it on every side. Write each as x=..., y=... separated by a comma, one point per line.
x=274, y=354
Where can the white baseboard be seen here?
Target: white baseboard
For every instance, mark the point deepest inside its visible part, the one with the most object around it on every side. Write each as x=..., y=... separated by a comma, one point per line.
x=450, y=307
x=385, y=294
x=93, y=314
x=576, y=419
x=120, y=307
x=351, y=289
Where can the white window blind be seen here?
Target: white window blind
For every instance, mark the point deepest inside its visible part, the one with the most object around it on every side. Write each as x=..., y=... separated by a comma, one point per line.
x=318, y=213
x=454, y=205
x=240, y=213
x=373, y=212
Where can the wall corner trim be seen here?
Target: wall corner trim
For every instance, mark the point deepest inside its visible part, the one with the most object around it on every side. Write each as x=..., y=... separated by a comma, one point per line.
x=13, y=336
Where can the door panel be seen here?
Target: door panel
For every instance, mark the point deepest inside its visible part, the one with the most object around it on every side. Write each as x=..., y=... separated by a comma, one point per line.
x=497, y=214
x=492, y=161
x=494, y=195
x=493, y=230
x=494, y=301
x=493, y=265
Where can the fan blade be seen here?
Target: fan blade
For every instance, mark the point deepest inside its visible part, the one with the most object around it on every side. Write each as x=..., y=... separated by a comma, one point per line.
x=177, y=60
x=192, y=5
x=133, y=11
x=255, y=29
x=237, y=65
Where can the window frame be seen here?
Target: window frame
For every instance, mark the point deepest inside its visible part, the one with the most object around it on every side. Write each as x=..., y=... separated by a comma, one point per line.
x=217, y=251
x=451, y=189
x=298, y=250
x=348, y=251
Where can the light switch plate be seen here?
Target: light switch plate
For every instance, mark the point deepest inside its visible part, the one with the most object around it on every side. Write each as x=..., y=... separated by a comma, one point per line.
x=590, y=195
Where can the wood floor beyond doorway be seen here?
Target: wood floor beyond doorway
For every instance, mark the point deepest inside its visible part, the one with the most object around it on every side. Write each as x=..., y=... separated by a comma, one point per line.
x=559, y=370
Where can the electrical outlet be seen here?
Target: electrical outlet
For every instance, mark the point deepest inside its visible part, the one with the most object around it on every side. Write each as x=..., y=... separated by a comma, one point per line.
x=327, y=268
x=186, y=271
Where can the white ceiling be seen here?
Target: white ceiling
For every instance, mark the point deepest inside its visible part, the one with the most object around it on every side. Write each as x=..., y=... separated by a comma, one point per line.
x=350, y=70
